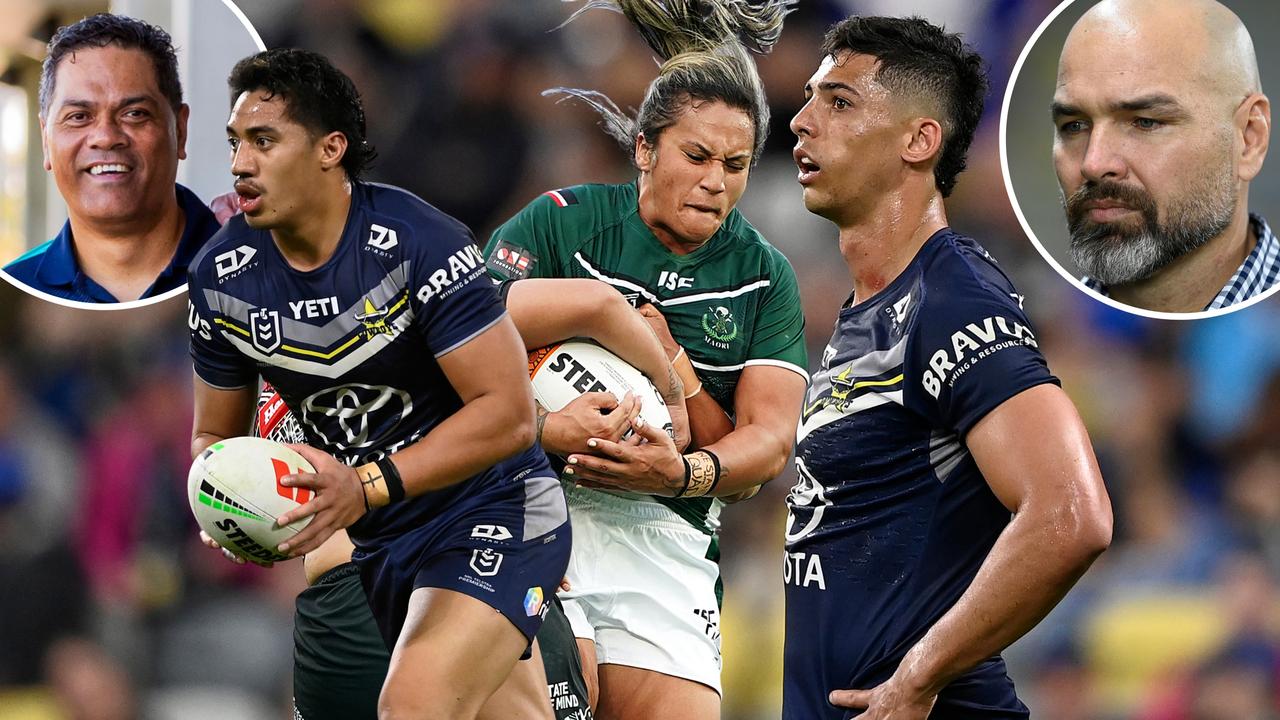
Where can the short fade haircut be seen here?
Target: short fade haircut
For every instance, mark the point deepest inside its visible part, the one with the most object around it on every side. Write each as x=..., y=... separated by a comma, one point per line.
x=105, y=29
x=921, y=59
x=317, y=96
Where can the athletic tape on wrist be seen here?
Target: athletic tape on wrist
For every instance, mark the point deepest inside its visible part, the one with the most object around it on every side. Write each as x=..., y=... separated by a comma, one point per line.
x=687, y=472
x=395, y=486
x=702, y=469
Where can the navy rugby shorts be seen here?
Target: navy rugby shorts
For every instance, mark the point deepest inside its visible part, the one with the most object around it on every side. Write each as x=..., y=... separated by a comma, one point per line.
x=508, y=547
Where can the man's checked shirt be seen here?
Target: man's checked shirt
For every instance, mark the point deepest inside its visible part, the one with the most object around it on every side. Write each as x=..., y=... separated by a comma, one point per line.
x=1259, y=273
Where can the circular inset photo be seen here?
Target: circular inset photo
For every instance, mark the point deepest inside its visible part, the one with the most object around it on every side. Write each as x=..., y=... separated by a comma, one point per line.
x=1134, y=140
x=113, y=153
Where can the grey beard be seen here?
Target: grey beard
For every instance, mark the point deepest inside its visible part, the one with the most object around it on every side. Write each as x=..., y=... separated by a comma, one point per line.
x=1115, y=255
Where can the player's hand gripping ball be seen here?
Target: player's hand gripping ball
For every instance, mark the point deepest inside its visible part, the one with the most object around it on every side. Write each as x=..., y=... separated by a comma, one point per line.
x=235, y=492
x=562, y=372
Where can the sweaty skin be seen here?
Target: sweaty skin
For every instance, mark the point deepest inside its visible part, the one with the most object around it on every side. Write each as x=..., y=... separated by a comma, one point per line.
x=1188, y=72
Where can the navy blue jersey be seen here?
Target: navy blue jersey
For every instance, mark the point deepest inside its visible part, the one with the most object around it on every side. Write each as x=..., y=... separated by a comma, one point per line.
x=890, y=518
x=352, y=346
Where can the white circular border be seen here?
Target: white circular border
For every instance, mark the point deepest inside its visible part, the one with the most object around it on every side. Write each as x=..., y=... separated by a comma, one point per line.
x=130, y=304
x=1026, y=227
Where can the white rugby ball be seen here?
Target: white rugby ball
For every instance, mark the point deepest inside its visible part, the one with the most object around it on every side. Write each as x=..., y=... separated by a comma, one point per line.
x=563, y=371
x=235, y=492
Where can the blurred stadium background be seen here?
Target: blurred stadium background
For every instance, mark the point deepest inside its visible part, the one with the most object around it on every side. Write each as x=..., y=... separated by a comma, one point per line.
x=109, y=608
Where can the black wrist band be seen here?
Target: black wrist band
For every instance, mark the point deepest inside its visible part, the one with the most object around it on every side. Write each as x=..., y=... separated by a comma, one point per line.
x=688, y=472
x=391, y=475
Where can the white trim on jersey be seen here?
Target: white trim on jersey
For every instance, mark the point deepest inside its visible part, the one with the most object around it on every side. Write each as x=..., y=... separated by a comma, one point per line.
x=686, y=299
x=470, y=337
x=219, y=387
x=760, y=361
x=782, y=364
x=318, y=369
x=830, y=414
x=614, y=281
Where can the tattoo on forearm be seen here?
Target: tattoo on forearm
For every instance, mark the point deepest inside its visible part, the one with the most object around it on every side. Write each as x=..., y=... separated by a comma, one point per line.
x=675, y=390
x=541, y=423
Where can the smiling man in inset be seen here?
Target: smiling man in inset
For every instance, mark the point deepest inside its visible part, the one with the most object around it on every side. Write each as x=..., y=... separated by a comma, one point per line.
x=113, y=128
x=1161, y=125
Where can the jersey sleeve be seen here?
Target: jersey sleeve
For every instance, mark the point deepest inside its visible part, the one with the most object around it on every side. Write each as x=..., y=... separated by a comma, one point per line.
x=524, y=246
x=216, y=360
x=456, y=300
x=972, y=349
x=779, y=333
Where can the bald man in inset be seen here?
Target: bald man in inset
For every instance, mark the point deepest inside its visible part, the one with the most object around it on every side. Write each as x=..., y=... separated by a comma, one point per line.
x=1161, y=125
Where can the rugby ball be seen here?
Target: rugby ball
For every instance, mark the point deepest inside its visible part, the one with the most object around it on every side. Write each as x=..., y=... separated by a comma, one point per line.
x=235, y=493
x=566, y=370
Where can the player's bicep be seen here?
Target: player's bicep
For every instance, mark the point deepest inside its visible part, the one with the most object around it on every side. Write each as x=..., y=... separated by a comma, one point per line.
x=493, y=363
x=770, y=397
x=221, y=413
x=1033, y=449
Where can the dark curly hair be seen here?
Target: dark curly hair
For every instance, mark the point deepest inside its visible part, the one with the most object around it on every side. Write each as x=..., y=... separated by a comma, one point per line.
x=104, y=29
x=921, y=59
x=317, y=96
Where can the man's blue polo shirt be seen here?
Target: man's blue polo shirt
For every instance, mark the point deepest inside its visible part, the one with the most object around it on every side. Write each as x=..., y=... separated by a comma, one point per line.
x=52, y=268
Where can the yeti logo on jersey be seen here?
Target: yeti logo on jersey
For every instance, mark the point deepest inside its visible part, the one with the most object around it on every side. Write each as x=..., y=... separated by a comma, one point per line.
x=486, y=562
x=969, y=346
x=374, y=320
x=807, y=497
x=511, y=262
x=718, y=324
x=466, y=264
x=233, y=261
x=344, y=415
x=382, y=238
x=264, y=329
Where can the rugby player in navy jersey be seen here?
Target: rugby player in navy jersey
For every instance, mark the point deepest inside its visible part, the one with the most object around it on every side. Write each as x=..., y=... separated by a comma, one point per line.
x=370, y=313
x=948, y=494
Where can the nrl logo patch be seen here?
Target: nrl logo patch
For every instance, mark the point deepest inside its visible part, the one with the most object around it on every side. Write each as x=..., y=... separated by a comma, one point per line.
x=486, y=562
x=264, y=330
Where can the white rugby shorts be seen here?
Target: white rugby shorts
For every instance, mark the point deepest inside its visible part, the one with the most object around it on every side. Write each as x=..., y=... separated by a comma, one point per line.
x=643, y=589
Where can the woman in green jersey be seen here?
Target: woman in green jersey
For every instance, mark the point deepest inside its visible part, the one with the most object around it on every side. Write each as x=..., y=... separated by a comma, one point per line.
x=644, y=597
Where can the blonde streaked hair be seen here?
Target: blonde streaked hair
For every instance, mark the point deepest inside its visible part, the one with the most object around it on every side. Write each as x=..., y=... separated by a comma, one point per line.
x=704, y=47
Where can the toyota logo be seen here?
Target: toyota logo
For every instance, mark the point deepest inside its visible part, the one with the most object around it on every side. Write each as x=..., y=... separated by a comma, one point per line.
x=343, y=415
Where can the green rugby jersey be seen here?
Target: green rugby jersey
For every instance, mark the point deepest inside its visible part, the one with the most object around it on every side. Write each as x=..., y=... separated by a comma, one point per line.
x=731, y=303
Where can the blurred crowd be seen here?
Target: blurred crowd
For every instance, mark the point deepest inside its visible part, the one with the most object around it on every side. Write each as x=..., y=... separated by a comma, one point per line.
x=110, y=609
